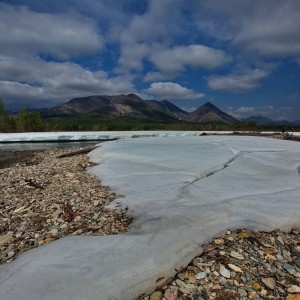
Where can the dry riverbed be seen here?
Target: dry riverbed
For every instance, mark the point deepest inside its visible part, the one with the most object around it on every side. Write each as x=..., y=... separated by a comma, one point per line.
x=44, y=197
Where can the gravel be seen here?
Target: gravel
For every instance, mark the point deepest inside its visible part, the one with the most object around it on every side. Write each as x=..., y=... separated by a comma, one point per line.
x=44, y=197
x=268, y=269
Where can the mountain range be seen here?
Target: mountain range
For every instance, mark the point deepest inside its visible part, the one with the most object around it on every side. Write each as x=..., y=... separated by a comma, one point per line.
x=260, y=120
x=133, y=106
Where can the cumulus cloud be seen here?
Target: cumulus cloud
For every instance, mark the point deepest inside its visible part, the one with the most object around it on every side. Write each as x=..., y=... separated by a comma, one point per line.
x=60, y=35
x=268, y=29
x=155, y=76
x=33, y=81
x=237, y=82
x=176, y=59
x=145, y=30
x=172, y=91
x=272, y=32
x=132, y=57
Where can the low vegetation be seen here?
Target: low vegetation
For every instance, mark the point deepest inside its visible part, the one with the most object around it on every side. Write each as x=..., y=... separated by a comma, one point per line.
x=25, y=121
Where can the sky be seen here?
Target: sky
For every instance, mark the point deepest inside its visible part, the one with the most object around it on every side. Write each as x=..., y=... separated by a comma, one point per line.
x=242, y=56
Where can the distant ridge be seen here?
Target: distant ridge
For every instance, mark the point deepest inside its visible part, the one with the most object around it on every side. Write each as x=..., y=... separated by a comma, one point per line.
x=260, y=120
x=208, y=113
x=129, y=105
x=133, y=106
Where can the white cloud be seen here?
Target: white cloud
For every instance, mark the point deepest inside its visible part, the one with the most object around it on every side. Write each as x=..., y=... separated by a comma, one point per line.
x=32, y=81
x=176, y=59
x=60, y=35
x=132, y=57
x=272, y=31
x=267, y=29
x=172, y=91
x=154, y=24
x=237, y=82
x=245, y=110
x=139, y=37
x=155, y=76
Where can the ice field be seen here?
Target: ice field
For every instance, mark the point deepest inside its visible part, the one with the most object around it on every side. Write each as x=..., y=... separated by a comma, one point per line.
x=181, y=191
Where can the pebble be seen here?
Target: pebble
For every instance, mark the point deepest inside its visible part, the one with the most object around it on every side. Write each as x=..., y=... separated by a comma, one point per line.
x=171, y=293
x=54, y=231
x=224, y=272
x=294, y=289
x=242, y=292
x=293, y=297
x=4, y=239
x=245, y=265
x=235, y=268
x=269, y=283
x=236, y=255
x=200, y=275
x=44, y=198
x=10, y=254
x=157, y=295
x=289, y=268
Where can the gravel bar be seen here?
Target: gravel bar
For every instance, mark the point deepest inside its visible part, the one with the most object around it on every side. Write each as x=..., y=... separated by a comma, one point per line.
x=45, y=196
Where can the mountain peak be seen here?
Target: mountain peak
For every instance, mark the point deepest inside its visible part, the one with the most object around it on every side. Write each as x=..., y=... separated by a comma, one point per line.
x=209, y=113
x=133, y=96
x=208, y=104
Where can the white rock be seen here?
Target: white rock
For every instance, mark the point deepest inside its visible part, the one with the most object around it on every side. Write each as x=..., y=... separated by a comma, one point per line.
x=294, y=289
x=269, y=282
x=224, y=272
x=236, y=255
x=200, y=275
x=11, y=254
x=235, y=268
x=53, y=231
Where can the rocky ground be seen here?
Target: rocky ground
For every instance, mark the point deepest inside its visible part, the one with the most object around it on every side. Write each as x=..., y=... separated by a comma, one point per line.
x=44, y=197
x=240, y=264
x=286, y=136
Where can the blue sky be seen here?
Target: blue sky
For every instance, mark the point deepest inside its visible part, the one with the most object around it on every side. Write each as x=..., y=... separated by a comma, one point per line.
x=243, y=56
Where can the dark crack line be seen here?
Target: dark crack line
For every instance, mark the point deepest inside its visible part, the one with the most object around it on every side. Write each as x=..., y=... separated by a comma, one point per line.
x=230, y=161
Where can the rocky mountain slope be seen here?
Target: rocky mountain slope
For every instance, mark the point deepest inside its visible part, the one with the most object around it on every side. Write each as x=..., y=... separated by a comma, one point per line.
x=129, y=105
x=133, y=106
x=208, y=113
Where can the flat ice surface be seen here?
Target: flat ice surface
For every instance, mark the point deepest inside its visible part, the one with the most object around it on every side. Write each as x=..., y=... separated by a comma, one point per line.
x=182, y=191
x=91, y=135
x=97, y=135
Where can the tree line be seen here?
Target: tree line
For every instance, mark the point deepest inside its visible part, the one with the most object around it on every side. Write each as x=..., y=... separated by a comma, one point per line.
x=24, y=121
